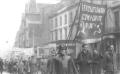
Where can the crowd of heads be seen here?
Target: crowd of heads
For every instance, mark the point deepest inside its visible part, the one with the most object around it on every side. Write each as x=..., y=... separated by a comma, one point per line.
x=19, y=66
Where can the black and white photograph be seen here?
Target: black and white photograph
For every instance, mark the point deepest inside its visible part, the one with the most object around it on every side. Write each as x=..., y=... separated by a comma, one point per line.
x=60, y=37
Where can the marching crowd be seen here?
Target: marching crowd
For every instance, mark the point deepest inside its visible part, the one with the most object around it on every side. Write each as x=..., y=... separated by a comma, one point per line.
x=20, y=66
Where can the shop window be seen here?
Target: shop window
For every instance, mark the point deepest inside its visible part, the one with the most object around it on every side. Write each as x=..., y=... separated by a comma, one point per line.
x=117, y=20
x=118, y=55
x=41, y=51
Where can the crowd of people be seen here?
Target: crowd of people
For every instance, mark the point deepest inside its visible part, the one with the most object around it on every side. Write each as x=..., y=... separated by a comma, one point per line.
x=87, y=61
x=20, y=66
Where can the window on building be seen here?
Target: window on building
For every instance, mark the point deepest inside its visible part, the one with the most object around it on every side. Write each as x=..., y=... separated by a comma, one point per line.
x=60, y=20
x=102, y=2
x=117, y=20
x=52, y=36
x=56, y=22
x=60, y=34
x=65, y=18
x=52, y=24
x=118, y=55
x=41, y=51
x=65, y=32
x=71, y=17
x=56, y=35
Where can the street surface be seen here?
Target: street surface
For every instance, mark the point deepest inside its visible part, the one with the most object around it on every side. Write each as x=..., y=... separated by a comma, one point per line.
x=9, y=73
x=5, y=73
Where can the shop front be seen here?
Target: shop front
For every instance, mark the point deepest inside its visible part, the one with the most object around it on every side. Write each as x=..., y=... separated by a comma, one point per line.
x=111, y=39
x=70, y=46
x=89, y=57
x=110, y=48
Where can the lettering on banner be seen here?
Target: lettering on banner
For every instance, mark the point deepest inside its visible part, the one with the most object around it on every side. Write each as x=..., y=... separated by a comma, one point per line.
x=93, y=9
x=91, y=19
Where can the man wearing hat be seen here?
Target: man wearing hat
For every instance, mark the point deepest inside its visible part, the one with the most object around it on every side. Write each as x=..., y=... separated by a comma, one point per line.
x=61, y=51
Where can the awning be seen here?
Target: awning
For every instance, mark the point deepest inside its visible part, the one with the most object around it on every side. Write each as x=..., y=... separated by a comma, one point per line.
x=64, y=41
x=111, y=36
x=105, y=36
x=86, y=41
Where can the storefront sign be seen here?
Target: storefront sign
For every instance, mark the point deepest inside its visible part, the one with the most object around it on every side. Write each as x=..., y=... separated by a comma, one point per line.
x=92, y=20
x=70, y=44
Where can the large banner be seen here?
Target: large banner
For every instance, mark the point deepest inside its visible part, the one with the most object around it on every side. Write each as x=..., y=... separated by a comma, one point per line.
x=91, y=20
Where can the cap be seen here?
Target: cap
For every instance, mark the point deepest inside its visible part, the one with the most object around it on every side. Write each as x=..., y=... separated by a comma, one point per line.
x=84, y=45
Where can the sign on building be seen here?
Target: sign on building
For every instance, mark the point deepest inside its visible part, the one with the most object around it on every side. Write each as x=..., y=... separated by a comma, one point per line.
x=43, y=52
x=92, y=20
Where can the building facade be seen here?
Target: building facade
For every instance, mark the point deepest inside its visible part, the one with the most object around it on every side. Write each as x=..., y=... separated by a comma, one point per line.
x=112, y=31
x=29, y=33
x=60, y=25
x=64, y=17
x=35, y=29
x=62, y=20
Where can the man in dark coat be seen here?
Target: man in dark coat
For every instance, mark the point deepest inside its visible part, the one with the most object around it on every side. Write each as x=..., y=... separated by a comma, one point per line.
x=1, y=66
x=61, y=64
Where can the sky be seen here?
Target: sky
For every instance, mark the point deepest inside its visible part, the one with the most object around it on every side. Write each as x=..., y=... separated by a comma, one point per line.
x=10, y=21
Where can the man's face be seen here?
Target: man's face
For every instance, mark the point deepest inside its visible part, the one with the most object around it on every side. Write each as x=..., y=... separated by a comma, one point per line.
x=85, y=47
x=64, y=51
x=112, y=48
